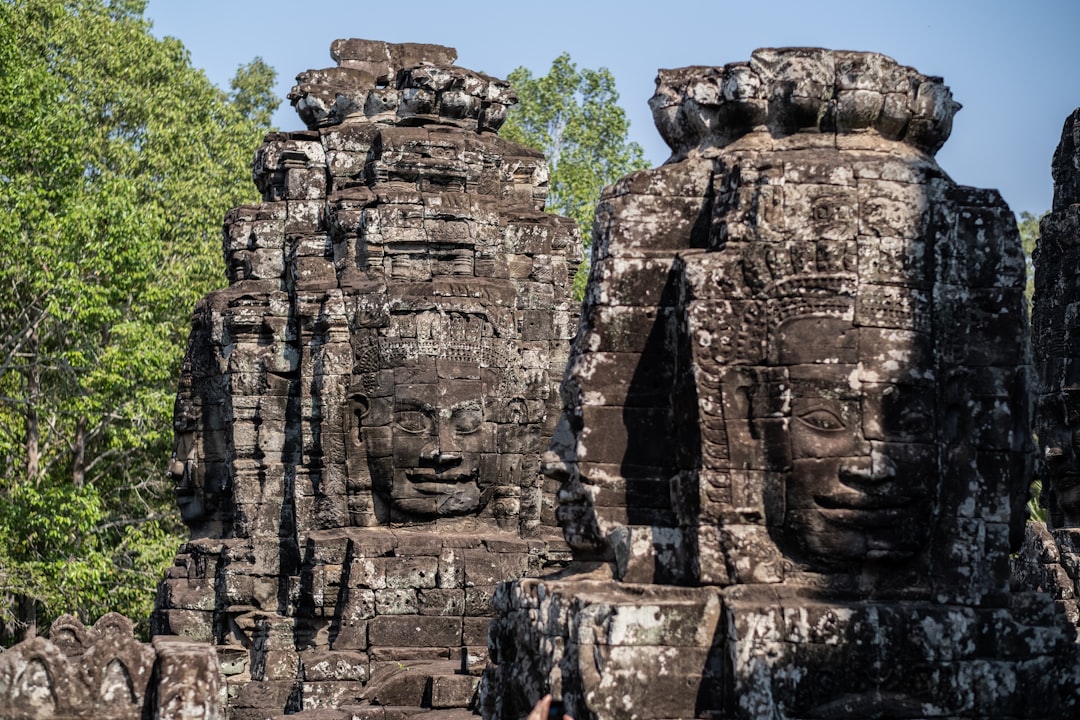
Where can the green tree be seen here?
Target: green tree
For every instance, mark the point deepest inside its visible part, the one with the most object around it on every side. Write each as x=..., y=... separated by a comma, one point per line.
x=253, y=91
x=117, y=163
x=1029, y=233
x=574, y=118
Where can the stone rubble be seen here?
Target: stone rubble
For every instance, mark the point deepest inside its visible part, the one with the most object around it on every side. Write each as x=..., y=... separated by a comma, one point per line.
x=104, y=672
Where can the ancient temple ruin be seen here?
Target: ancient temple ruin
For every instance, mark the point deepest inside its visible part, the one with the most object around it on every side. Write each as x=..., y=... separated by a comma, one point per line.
x=1050, y=558
x=793, y=452
x=795, y=444
x=104, y=672
x=362, y=411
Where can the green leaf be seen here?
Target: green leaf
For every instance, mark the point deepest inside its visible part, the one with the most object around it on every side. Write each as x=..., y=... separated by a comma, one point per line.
x=574, y=118
x=118, y=160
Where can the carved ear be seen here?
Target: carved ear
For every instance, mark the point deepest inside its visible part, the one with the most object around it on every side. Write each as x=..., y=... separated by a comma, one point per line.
x=360, y=405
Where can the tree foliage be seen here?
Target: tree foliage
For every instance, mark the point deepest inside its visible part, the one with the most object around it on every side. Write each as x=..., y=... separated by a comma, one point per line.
x=117, y=163
x=574, y=118
x=1029, y=233
x=253, y=91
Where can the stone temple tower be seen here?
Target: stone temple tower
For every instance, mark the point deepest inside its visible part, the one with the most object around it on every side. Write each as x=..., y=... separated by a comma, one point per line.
x=795, y=443
x=362, y=410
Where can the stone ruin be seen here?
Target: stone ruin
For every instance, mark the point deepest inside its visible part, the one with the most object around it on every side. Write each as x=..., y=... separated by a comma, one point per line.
x=793, y=452
x=104, y=672
x=795, y=445
x=361, y=412
x=1050, y=559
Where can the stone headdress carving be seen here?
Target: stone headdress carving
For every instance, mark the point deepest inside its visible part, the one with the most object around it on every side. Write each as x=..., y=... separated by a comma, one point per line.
x=795, y=421
x=453, y=336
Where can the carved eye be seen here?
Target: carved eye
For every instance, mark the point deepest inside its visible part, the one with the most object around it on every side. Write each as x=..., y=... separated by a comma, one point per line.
x=911, y=421
x=466, y=420
x=412, y=421
x=906, y=413
x=822, y=419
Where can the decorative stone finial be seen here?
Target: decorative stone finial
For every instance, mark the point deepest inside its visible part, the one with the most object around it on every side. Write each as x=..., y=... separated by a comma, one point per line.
x=406, y=83
x=802, y=90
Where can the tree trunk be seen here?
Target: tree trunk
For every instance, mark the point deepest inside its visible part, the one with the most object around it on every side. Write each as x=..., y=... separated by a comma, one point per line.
x=78, y=473
x=33, y=394
x=24, y=626
x=28, y=616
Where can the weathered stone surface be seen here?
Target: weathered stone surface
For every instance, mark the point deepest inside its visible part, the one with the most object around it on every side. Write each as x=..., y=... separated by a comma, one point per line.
x=187, y=680
x=799, y=497
x=1049, y=560
x=103, y=671
x=453, y=691
x=361, y=411
x=1054, y=338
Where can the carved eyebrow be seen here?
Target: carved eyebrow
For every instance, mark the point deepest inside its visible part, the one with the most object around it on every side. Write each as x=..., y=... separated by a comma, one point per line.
x=466, y=405
x=413, y=404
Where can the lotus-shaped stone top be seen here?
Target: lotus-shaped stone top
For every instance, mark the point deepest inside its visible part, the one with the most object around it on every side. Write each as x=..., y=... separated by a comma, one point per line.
x=406, y=83
x=784, y=91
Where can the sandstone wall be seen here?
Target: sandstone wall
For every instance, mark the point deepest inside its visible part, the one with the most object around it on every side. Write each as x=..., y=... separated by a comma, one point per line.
x=362, y=410
x=795, y=445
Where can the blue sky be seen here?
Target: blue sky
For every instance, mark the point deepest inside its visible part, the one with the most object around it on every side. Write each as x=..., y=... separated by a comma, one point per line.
x=1015, y=66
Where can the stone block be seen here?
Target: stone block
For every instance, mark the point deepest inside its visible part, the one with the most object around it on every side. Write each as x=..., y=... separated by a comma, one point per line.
x=334, y=665
x=265, y=694
x=411, y=572
x=196, y=625
x=275, y=664
x=185, y=594
x=402, y=686
x=488, y=568
x=437, y=601
x=395, y=602
x=414, y=631
x=453, y=691
x=330, y=694
x=474, y=630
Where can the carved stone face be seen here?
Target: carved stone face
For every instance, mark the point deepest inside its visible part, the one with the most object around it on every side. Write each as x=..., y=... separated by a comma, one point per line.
x=196, y=493
x=439, y=439
x=190, y=502
x=1059, y=440
x=862, y=434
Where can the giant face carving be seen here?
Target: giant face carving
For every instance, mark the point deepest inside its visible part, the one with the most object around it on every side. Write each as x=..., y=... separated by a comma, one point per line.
x=1058, y=431
x=441, y=422
x=439, y=438
x=862, y=439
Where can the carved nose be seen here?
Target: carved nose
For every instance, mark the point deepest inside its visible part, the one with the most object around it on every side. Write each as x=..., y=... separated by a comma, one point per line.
x=445, y=457
x=442, y=448
x=448, y=443
x=866, y=470
x=176, y=469
x=436, y=452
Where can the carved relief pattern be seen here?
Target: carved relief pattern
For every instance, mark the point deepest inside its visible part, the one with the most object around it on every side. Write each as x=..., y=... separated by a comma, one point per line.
x=796, y=423
x=104, y=672
x=362, y=410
